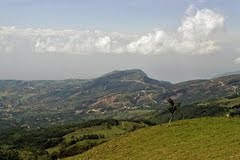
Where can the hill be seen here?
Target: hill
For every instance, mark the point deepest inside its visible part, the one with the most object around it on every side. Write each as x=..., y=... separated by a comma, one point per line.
x=204, y=138
x=41, y=103
x=206, y=89
x=128, y=94
x=61, y=141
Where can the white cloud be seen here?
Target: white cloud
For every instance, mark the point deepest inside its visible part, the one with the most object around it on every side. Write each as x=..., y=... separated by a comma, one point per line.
x=237, y=60
x=197, y=31
x=195, y=35
x=152, y=43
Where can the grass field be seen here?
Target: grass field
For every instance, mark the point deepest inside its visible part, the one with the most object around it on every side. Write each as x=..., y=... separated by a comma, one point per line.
x=74, y=144
x=203, y=138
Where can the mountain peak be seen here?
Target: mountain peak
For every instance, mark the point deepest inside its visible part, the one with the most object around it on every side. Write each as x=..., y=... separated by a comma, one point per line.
x=125, y=74
x=134, y=79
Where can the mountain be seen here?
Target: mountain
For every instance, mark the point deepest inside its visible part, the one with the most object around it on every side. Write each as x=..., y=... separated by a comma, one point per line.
x=200, y=90
x=58, y=119
x=128, y=80
x=40, y=103
x=227, y=74
x=204, y=138
x=128, y=94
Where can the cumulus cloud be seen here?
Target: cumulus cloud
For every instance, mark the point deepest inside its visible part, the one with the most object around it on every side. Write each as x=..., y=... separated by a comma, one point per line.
x=195, y=35
x=197, y=31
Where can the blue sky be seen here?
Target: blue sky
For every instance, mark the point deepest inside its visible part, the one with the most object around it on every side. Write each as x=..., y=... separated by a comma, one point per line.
x=172, y=40
x=114, y=15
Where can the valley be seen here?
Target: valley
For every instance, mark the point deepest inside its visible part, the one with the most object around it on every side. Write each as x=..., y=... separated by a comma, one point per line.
x=82, y=119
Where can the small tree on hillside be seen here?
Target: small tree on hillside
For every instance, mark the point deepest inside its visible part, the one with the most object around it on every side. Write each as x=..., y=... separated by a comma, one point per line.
x=172, y=109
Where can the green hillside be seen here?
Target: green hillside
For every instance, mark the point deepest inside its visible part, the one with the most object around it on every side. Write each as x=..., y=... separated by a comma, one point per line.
x=61, y=141
x=204, y=138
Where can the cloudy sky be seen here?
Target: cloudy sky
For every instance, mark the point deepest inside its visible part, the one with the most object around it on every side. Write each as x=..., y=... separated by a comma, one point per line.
x=170, y=40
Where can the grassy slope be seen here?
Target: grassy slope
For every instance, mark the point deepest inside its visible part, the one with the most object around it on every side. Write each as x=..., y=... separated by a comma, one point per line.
x=204, y=138
x=108, y=133
x=61, y=141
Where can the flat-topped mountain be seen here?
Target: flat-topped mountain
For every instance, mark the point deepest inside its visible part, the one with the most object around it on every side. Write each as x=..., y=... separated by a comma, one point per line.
x=133, y=74
x=127, y=80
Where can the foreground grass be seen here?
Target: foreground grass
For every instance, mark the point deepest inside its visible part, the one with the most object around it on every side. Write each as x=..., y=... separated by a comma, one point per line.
x=204, y=138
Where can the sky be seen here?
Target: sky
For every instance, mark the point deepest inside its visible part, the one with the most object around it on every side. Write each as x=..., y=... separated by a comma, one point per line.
x=170, y=40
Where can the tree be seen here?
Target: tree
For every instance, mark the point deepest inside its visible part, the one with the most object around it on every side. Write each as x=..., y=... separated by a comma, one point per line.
x=172, y=109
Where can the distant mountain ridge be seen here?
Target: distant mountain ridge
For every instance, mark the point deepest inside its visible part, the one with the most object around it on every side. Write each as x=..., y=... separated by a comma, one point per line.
x=118, y=94
x=227, y=74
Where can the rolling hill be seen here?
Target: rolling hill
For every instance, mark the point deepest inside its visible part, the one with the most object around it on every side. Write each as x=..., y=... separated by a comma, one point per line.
x=204, y=138
x=128, y=94
x=60, y=119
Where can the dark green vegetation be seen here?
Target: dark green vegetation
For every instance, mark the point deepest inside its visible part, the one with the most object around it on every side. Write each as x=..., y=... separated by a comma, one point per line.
x=127, y=94
x=61, y=141
x=203, y=138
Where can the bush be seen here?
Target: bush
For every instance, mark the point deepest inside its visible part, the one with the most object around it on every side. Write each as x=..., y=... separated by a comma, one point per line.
x=91, y=136
x=9, y=155
x=52, y=142
x=73, y=141
x=74, y=150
